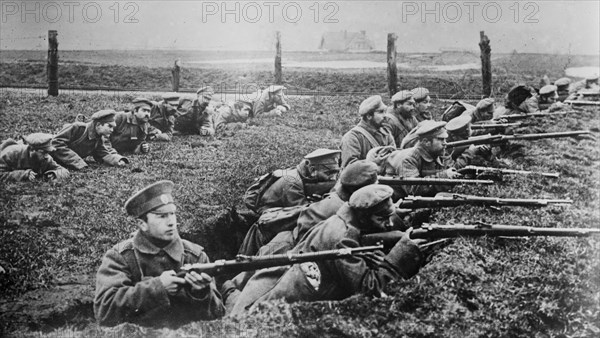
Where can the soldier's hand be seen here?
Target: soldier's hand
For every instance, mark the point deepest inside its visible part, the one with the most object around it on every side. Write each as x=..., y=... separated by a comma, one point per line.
x=171, y=282
x=452, y=173
x=121, y=163
x=32, y=175
x=50, y=176
x=198, y=281
x=145, y=147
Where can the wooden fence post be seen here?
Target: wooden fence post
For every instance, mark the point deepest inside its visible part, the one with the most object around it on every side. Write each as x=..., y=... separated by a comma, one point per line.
x=278, y=76
x=52, y=66
x=175, y=71
x=486, y=64
x=391, y=64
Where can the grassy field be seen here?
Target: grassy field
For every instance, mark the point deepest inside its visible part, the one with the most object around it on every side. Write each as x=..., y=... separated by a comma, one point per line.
x=53, y=235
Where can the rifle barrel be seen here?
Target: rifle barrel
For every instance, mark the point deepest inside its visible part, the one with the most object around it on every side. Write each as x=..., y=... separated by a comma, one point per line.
x=494, y=125
x=546, y=135
x=479, y=169
x=437, y=231
x=583, y=103
x=395, y=181
x=250, y=263
x=452, y=200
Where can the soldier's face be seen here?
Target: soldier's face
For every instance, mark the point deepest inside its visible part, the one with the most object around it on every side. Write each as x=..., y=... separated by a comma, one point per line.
x=161, y=223
x=105, y=129
x=325, y=172
x=407, y=107
x=424, y=106
x=380, y=223
x=39, y=154
x=142, y=113
x=277, y=97
x=378, y=118
x=437, y=146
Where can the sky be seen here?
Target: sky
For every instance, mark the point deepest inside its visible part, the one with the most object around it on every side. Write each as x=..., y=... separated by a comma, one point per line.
x=564, y=27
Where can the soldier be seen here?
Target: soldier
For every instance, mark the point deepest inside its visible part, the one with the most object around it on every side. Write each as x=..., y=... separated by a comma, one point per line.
x=271, y=102
x=423, y=103
x=484, y=111
x=356, y=175
x=162, y=118
x=197, y=118
x=233, y=114
x=136, y=281
x=548, y=99
x=456, y=109
x=521, y=99
x=562, y=88
x=368, y=134
x=459, y=128
x=27, y=162
x=309, y=181
x=589, y=83
x=79, y=140
x=368, y=211
x=422, y=160
x=132, y=128
x=400, y=116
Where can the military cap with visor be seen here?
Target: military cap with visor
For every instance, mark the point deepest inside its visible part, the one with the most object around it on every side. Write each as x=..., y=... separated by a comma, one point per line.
x=359, y=174
x=430, y=128
x=548, y=89
x=322, y=155
x=373, y=199
x=141, y=102
x=104, y=116
x=458, y=124
x=150, y=198
x=370, y=105
x=420, y=94
x=40, y=141
x=402, y=96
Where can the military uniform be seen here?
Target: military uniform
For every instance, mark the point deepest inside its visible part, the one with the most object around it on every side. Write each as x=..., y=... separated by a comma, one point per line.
x=128, y=288
x=520, y=100
x=548, y=99
x=17, y=161
x=129, y=134
x=339, y=278
x=562, y=88
x=357, y=142
x=199, y=119
x=79, y=140
x=162, y=118
x=129, y=284
x=238, y=112
x=266, y=104
x=397, y=124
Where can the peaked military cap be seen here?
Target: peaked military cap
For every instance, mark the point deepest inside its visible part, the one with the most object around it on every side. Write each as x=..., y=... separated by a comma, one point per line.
x=518, y=94
x=275, y=88
x=371, y=104
x=184, y=99
x=402, y=96
x=485, y=104
x=40, y=141
x=420, y=93
x=151, y=197
x=104, y=116
x=207, y=89
x=375, y=198
x=458, y=124
x=322, y=155
x=140, y=101
x=430, y=128
x=359, y=174
x=563, y=81
x=170, y=97
x=548, y=89
x=592, y=78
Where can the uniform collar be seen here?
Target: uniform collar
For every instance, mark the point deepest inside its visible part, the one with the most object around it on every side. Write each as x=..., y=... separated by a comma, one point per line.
x=90, y=131
x=173, y=249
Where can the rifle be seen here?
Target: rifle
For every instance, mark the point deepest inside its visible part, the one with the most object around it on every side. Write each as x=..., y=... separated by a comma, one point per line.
x=583, y=103
x=540, y=114
x=495, y=139
x=251, y=263
x=436, y=231
x=395, y=181
x=452, y=200
x=476, y=170
x=495, y=125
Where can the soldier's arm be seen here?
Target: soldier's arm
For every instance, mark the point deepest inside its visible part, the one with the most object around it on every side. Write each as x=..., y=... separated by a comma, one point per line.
x=8, y=171
x=209, y=303
x=118, y=298
x=351, y=149
x=63, y=154
x=51, y=169
x=104, y=153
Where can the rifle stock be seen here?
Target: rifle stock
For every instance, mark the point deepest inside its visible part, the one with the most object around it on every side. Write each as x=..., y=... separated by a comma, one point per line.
x=251, y=263
x=453, y=200
x=396, y=181
x=437, y=231
x=495, y=139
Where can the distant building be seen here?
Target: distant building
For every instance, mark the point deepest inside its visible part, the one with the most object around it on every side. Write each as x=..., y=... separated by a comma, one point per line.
x=346, y=41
